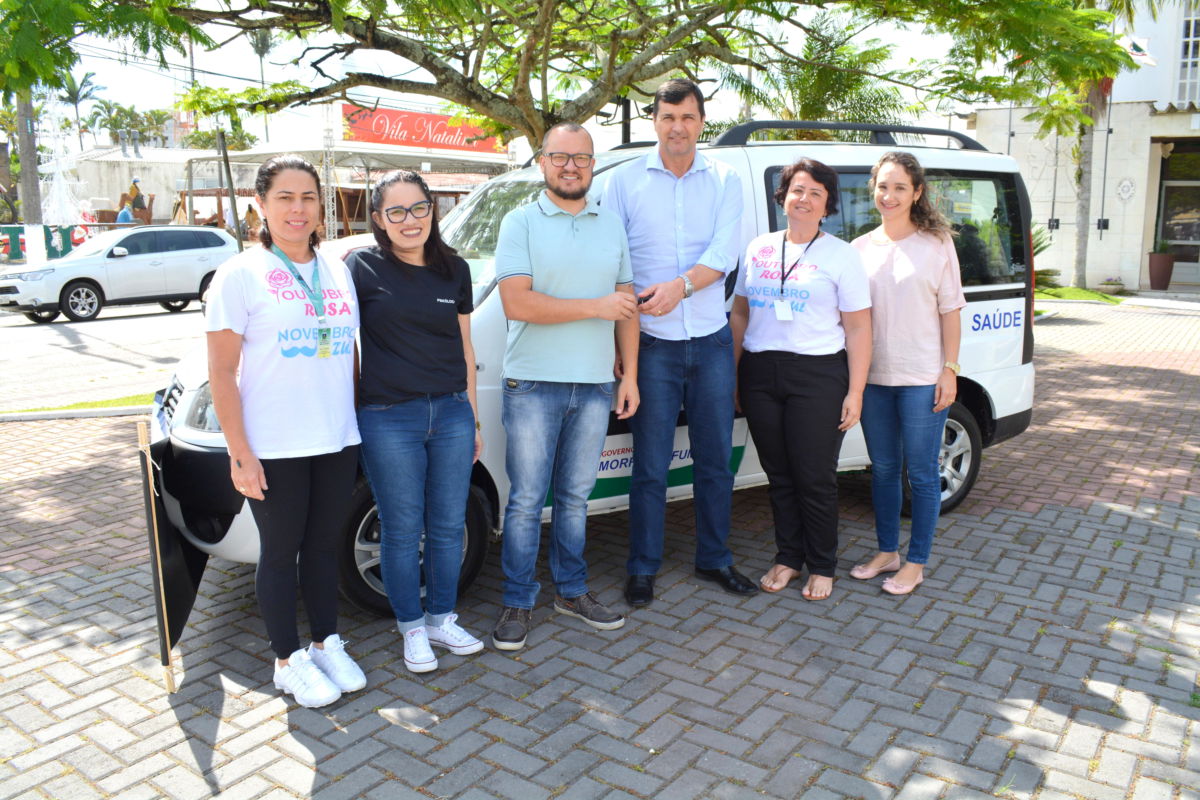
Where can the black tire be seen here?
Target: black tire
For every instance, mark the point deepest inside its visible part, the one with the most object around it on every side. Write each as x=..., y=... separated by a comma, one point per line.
x=958, y=460
x=81, y=301
x=175, y=306
x=361, y=580
x=41, y=317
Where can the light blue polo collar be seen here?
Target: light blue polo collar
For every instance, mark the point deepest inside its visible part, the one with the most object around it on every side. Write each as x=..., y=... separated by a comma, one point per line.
x=548, y=207
x=654, y=161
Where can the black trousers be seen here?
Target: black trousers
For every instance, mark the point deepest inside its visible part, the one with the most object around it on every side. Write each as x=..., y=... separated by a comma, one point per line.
x=793, y=405
x=307, y=501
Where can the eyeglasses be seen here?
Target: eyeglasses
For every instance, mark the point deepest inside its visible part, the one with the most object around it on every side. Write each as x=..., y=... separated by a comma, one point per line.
x=581, y=160
x=400, y=213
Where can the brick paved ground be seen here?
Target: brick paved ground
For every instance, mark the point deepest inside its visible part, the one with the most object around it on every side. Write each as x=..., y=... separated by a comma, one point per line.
x=1052, y=653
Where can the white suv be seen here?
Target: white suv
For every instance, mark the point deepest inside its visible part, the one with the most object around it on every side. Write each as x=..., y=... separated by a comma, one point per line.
x=981, y=194
x=166, y=264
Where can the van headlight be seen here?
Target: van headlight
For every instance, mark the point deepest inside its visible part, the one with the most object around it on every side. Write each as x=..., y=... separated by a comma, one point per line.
x=202, y=416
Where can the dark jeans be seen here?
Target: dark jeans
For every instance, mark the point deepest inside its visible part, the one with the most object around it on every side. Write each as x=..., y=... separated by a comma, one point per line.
x=793, y=405
x=299, y=521
x=697, y=374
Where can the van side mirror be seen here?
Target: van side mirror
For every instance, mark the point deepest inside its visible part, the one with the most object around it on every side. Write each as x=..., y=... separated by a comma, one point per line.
x=118, y=252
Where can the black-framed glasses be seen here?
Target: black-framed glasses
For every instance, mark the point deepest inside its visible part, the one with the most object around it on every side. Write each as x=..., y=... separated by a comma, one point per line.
x=400, y=213
x=581, y=160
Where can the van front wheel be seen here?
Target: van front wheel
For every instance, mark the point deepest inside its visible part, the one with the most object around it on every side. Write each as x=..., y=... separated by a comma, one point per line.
x=359, y=562
x=958, y=460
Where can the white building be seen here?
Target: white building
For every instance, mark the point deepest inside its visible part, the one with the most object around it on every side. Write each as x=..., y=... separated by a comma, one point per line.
x=1145, y=167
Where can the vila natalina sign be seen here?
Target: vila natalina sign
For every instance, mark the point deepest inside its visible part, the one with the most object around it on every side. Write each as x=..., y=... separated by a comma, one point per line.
x=414, y=129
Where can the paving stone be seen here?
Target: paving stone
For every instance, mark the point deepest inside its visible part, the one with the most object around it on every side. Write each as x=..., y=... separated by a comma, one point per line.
x=1035, y=662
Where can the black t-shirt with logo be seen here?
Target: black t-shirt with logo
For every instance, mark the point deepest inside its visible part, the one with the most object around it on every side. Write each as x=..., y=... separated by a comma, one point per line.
x=411, y=341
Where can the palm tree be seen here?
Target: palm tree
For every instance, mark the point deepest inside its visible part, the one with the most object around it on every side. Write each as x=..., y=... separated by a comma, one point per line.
x=1095, y=106
x=155, y=124
x=74, y=93
x=261, y=42
x=809, y=89
x=106, y=114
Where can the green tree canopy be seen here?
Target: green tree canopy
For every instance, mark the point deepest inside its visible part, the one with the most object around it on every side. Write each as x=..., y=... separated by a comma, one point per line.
x=524, y=65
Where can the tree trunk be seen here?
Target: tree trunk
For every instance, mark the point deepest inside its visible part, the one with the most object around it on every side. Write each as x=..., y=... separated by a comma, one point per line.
x=31, y=193
x=1096, y=102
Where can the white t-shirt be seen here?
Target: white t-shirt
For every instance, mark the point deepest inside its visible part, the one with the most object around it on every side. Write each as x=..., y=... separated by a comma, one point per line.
x=293, y=403
x=828, y=280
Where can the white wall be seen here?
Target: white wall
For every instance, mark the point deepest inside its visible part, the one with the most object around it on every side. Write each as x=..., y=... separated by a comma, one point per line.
x=1129, y=193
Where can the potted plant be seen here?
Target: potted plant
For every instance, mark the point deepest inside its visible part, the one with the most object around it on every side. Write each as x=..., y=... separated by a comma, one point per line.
x=1162, y=264
x=1111, y=286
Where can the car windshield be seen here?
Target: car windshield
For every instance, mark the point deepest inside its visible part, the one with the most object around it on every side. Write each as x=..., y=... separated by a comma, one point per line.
x=96, y=244
x=473, y=226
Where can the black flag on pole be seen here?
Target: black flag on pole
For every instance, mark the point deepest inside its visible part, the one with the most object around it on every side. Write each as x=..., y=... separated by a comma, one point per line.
x=176, y=565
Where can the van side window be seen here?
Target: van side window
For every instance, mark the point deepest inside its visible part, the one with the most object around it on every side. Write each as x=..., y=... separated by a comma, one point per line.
x=982, y=208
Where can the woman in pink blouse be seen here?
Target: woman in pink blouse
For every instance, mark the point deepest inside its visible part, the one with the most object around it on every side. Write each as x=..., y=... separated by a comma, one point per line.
x=916, y=296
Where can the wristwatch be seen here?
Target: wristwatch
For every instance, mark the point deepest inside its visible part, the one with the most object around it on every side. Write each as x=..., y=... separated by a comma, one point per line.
x=953, y=367
x=688, y=288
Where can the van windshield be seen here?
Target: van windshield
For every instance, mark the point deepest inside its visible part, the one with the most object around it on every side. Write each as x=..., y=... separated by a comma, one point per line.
x=473, y=226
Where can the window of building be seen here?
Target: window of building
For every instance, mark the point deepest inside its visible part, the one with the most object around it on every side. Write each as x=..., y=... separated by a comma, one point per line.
x=1189, y=63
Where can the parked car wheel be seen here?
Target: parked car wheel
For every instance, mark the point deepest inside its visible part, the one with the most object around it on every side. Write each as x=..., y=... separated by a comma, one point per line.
x=41, y=317
x=175, y=305
x=958, y=460
x=81, y=301
x=361, y=578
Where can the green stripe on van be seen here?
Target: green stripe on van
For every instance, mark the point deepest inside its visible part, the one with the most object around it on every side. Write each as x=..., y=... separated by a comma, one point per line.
x=680, y=476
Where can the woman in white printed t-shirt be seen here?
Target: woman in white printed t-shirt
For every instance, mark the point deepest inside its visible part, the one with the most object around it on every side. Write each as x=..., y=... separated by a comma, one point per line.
x=916, y=296
x=801, y=325
x=287, y=317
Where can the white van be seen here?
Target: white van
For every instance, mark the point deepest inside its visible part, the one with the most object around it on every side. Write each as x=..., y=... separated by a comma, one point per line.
x=981, y=193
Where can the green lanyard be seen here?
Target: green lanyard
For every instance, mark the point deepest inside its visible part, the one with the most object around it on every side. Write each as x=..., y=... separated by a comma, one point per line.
x=314, y=291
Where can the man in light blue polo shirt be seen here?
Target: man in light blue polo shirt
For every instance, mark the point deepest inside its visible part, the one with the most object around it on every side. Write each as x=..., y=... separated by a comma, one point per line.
x=566, y=284
x=682, y=212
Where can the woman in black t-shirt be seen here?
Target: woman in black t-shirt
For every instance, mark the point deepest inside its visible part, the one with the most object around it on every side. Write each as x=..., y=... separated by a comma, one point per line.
x=416, y=395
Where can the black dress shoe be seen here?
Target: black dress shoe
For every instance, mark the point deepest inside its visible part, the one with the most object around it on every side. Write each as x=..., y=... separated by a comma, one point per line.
x=639, y=591
x=729, y=579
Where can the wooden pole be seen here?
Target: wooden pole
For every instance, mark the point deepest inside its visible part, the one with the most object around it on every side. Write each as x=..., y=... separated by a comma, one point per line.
x=166, y=655
x=237, y=223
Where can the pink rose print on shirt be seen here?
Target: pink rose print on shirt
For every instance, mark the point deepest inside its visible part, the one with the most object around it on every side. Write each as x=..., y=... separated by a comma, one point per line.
x=765, y=252
x=278, y=279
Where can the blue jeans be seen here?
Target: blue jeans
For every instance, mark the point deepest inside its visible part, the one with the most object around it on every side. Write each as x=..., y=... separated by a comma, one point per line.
x=901, y=429
x=555, y=435
x=698, y=375
x=418, y=459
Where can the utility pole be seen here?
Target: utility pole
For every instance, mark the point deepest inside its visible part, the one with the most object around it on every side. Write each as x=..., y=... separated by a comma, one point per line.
x=31, y=193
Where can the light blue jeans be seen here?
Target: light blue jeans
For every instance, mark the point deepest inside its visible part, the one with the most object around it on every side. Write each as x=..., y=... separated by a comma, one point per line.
x=901, y=429
x=555, y=436
x=418, y=458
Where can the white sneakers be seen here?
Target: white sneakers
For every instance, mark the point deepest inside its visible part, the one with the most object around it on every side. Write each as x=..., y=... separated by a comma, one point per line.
x=418, y=652
x=450, y=636
x=316, y=677
x=303, y=680
x=418, y=655
x=337, y=664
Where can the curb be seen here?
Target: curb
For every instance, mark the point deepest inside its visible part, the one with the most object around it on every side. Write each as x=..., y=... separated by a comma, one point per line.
x=76, y=413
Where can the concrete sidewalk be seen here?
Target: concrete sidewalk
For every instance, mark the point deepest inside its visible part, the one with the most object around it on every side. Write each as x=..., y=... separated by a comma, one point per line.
x=1051, y=653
